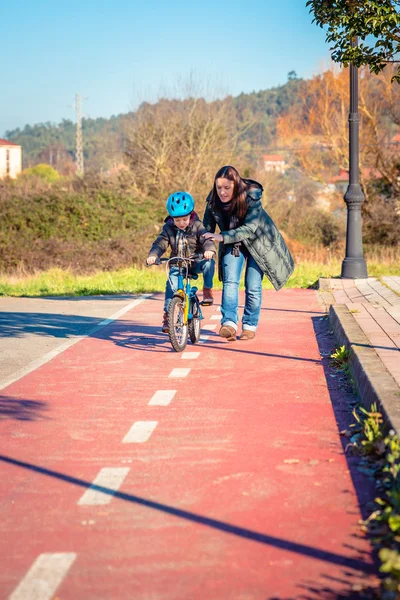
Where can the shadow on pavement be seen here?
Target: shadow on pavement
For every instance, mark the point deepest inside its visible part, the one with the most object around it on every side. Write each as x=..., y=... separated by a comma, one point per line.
x=16, y=325
x=342, y=399
x=150, y=339
x=21, y=410
x=358, y=564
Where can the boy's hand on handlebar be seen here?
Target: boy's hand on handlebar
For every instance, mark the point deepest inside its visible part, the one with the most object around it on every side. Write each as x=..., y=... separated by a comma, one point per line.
x=208, y=254
x=151, y=260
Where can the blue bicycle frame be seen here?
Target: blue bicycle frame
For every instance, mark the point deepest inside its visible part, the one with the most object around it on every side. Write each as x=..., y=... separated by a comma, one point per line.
x=185, y=290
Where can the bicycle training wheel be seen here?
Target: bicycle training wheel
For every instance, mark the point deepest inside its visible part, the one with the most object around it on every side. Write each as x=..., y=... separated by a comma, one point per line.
x=194, y=325
x=178, y=332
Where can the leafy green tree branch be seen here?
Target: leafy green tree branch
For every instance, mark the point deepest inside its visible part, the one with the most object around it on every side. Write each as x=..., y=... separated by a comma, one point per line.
x=376, y=23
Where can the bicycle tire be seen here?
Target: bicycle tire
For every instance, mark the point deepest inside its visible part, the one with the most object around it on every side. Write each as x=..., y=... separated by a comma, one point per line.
x=178, y=332
x=194, y=325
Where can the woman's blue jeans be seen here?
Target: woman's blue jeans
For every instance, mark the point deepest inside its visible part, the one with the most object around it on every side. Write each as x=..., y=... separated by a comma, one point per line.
x=232, y=267
x=207, y=267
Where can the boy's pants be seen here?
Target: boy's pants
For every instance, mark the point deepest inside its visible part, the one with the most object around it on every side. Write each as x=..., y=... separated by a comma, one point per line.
x=207, y=267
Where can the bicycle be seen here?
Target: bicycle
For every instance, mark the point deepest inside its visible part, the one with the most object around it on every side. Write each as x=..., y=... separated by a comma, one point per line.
x=184, y=313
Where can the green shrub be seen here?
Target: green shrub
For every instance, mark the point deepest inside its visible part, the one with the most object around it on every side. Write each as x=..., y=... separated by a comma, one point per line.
x=45, y=172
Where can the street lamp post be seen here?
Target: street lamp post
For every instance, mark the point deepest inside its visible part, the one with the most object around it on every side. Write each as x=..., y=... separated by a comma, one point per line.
x=354, y=265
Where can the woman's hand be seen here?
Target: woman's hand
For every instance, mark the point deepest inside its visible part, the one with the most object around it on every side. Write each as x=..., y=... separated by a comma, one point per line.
x=217, y=237
x=151, y=260
x=208, y=254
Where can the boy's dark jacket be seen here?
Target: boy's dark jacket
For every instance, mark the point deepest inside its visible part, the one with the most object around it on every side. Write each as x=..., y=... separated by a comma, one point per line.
x=193, y=233
x=260, y=236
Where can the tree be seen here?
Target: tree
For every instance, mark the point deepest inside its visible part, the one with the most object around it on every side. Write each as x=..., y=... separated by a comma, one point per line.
x=375, y=22
x=180, y=144
x=317, y=132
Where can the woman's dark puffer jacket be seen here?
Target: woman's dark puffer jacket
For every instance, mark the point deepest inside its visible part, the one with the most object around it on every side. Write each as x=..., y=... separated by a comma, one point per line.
x=259, y=235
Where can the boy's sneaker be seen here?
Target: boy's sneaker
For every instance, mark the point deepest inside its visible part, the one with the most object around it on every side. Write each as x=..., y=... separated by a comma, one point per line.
x=208, y=297
x=165, y=325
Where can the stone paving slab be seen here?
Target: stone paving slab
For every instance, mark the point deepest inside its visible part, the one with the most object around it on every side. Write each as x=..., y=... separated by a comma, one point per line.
x=393, y=283
x=365, y=316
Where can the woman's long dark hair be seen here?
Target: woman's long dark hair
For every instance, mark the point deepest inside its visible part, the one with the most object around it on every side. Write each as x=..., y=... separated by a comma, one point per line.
x=240, y=188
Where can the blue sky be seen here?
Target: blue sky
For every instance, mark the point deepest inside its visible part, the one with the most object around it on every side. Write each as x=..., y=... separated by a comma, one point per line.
x=117, y=54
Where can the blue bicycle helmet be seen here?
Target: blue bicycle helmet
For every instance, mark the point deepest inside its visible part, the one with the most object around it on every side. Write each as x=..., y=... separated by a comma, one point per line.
x=180, y=204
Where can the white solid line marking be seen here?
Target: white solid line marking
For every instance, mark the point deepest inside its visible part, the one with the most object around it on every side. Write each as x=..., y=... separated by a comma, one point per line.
x=109, y=477
x=179, y=373
x=162, y=397
x=44, y=576
x=215, y=317
x=140, y=432
x=209, y=327
x=190, y=355
x=53, y=353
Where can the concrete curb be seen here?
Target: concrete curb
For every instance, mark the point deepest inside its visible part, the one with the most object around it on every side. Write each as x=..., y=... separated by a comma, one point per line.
x=373, y=381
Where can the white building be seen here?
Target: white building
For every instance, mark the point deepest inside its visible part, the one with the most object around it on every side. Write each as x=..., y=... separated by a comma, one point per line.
x=274, y=163
x=10, y=159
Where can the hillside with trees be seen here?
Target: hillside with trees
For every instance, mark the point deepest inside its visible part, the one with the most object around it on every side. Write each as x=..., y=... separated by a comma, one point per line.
x=51, y=217
x=105, y=140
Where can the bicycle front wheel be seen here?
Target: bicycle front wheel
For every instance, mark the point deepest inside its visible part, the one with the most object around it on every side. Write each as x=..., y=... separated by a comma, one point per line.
x=194, y=325
x=178, y=331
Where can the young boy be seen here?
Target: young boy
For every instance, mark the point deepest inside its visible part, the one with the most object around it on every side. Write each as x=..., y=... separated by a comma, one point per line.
x=183, y=228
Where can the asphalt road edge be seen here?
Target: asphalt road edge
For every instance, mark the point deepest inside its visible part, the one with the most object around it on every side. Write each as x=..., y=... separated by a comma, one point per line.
x=41, y=360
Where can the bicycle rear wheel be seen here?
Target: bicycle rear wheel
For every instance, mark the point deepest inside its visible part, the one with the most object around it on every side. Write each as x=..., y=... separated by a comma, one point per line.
x=178, y=331
x=195, y=324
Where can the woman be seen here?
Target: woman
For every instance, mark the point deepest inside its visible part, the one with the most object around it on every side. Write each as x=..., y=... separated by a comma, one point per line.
x=248, y=235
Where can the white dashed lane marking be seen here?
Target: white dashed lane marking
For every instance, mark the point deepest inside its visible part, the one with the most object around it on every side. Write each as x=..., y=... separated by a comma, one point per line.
x=203, y=338
x=44, y=576
x=179, y=373
x=162, y=397
x=189, y=355
x=140, y=432
x=215, y=317
x=108, y=477
x=209, y=327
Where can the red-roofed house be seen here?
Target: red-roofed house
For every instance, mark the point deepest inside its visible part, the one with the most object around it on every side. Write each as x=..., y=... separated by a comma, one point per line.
x=274, y=162
x=341, y=181
x=10, y=159
x=396, y=139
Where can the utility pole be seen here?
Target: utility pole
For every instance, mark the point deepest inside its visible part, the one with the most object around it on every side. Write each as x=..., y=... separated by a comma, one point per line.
x=79, y=140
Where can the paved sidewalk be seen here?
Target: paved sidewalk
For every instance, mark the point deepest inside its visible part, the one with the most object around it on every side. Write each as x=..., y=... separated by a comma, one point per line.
x=365, y=316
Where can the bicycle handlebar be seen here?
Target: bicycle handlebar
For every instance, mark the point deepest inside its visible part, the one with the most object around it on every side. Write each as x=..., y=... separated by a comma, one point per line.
x=158, y=261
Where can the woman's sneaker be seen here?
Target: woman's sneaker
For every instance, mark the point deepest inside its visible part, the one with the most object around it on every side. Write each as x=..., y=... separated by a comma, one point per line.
x=247, y=334
x=228, y=332
x=165, y=324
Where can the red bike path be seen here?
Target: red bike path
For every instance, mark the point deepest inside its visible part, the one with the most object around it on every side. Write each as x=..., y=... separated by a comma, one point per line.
x=241, y=490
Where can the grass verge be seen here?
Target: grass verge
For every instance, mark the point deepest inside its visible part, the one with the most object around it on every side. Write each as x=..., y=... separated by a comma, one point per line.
x=64, y=282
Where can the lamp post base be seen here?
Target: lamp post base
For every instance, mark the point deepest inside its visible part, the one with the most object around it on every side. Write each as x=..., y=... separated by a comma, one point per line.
x=354, y=268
